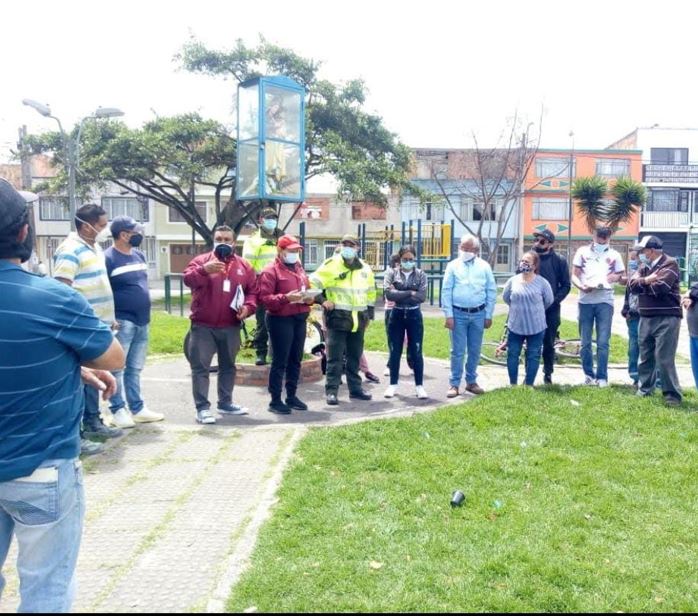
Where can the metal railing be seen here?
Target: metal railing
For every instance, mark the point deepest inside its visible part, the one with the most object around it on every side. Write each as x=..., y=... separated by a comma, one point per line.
x=665, y=220
x=168, y=292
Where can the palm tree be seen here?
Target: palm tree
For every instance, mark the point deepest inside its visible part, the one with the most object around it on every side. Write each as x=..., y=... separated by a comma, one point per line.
x=628, y=196
x=589, y=193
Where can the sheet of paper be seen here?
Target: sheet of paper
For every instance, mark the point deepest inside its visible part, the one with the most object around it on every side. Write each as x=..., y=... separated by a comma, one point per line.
x=238, y=299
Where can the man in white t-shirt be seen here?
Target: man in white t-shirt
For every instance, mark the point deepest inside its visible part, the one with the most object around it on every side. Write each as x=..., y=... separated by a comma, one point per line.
x=596, y=268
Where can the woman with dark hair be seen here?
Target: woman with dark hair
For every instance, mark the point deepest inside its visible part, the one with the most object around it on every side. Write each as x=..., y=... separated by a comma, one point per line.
x=528, y=295
x=407, y=287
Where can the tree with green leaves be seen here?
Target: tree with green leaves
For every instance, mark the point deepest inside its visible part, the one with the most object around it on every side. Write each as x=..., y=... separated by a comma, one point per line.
x=627, y=197
x=169, y=160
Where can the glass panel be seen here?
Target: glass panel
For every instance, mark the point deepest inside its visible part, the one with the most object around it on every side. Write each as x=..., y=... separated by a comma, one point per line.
x=283, y=169
x=248, y=107
x=283, y=109
x=248, y=173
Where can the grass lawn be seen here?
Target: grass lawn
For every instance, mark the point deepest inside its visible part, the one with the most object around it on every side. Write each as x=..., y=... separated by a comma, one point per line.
x=437, y=342
x=586, y=507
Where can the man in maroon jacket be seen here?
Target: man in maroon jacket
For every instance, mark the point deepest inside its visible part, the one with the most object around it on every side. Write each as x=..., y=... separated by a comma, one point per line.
x=224, y=294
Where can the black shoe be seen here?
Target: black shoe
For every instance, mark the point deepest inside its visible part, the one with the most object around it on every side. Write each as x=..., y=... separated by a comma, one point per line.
x=371, y=377
x=360, y=395
x=548, y=379
x=296, y=404
x=95, y=427
x=261, y=360
x=276, y=406
x=332, y=399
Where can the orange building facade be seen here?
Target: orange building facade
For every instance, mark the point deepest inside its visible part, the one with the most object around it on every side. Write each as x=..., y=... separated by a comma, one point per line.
x=547, y=194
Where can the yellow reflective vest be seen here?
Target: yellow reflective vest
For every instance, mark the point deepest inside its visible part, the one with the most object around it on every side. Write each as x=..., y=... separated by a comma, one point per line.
x=352, y=290
x=259, y=251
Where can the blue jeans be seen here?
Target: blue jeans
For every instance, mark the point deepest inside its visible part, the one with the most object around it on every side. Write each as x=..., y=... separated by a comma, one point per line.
x=602, y=314
x=534, y=346
x=134, y=340
x=633, y=347
x=45, y=511
x=694, y=358
x=467, y=332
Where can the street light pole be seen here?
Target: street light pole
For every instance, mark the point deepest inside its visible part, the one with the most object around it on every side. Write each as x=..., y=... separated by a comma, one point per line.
x=71, y=147
x=569, y=226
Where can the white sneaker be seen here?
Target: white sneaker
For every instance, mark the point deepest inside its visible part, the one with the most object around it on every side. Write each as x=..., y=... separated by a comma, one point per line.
x=602, y=383
x=122, y=419
x=589, y=381
x=145, y=415
x=232, y=409
x=386, y=372
x=205, y=417
x=390, y=392
x=422, y=393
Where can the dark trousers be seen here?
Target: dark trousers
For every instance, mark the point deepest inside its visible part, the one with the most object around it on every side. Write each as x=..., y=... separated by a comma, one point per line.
x=552, y=321
x=406, y=322
x=261, y=335
x=339, y=343
x=204, y=342
x=659, y=338
x=387, y=314
x=288, y=339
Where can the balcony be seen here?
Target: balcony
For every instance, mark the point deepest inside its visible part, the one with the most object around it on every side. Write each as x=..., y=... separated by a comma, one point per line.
x=670, y=174
x=664, y=220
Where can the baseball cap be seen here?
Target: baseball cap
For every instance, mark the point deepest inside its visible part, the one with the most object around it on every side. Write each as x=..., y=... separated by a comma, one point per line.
x=348, y=237
x=125, y=223
x=649, y=241
x=269, y=212
x=288, y=241
x=546, y=234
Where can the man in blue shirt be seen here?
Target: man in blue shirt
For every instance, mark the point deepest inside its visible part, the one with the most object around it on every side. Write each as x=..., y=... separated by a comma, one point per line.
x=127, y=269
x=47, y=331
x=468, y=297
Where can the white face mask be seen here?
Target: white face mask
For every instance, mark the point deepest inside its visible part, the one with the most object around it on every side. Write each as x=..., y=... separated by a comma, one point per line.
x=466, y=256
x=291, y=258
x=101, y=236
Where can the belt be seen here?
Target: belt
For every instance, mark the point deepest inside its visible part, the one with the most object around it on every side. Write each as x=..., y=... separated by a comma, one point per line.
x=404, y=308
x=471, y=310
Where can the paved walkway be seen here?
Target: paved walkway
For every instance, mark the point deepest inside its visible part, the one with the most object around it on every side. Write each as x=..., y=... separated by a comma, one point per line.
x=174, y=508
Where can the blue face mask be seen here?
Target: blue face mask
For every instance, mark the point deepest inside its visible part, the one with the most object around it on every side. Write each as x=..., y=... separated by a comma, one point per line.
x=407, y=265
x=643, y=259
x=291, y=258
x=269, y=224
x=600, y=248
x=632, y=265
x=348, y=253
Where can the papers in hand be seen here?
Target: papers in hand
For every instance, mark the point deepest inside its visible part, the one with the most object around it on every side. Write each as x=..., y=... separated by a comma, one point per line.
x=238, y=299
x=596, y=274
x=307, y=294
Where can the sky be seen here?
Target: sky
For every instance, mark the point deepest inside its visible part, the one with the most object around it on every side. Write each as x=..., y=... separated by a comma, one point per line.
x=437, y=71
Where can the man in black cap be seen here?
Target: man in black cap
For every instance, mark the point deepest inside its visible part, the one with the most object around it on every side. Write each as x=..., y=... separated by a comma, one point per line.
x=48, y=331
x=656, y=283
x=554, y=268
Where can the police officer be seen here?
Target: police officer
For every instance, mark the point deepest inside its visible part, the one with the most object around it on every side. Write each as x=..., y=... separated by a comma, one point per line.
x=259, y=250
x=349, y=297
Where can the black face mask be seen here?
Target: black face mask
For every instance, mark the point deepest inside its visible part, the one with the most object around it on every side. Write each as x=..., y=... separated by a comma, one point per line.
x=135, y=240
x=223, y=252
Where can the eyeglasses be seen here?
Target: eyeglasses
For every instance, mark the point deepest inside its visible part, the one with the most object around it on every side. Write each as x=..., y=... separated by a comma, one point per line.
x=542, y=241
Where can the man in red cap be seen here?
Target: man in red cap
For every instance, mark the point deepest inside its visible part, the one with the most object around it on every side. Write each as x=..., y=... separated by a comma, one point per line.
x=283, y=290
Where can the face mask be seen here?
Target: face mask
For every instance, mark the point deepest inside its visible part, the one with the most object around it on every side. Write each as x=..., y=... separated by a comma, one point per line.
x=599, y=249
x=135, y=240
x=291, y=258
x=222, y=251
x=644, y=259
x=632, y=264
x=466, y=256
x=408, y=265
x=100, y=236
x=269, y=224
x=524, y=267
x=348, y=253
x=541, y=250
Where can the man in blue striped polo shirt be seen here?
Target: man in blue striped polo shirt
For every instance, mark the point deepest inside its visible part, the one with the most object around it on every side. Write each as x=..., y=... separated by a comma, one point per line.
x=47, y=331
x=79, y=263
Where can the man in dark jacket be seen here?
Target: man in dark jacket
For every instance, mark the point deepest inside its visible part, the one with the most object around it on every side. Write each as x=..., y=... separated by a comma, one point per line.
x=555, y=270
x=224, y=294
x=656, y=283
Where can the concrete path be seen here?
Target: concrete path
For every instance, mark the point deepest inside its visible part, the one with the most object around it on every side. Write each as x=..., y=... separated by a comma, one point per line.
x=174, y=508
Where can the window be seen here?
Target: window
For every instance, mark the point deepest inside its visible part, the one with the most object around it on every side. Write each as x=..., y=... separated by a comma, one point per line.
x=550, y=209
x=311, y=252
x=54, y=208
x=503, y=254
x=669, y=156
x=554, y=167
x=149, y=248
x=330, y=245
x=126, y=206
x=174, y=215
x=661, y=200
x=612, y=167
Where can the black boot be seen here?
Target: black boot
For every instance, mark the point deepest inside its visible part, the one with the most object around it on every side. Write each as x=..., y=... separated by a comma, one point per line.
x=295, y=403
x=277, y=406
x=261, y=359
x=94, y=427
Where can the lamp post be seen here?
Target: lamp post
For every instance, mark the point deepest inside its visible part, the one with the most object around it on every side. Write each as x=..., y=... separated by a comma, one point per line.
x=71, y=146
x=569, y=226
